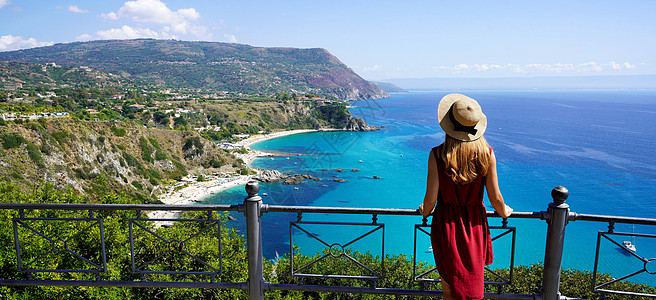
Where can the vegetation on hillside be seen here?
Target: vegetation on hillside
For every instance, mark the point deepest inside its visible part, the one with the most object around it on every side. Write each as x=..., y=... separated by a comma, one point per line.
x=140, y=140
x=82, y=154
x=211, y=66
x=50, y=75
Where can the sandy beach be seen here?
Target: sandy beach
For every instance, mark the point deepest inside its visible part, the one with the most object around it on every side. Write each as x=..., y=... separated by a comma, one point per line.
x=263, y=137
x=196, y=191
x=252, y=154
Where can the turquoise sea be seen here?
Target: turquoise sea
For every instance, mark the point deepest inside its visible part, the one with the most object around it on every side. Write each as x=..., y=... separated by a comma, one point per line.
x=598, y=144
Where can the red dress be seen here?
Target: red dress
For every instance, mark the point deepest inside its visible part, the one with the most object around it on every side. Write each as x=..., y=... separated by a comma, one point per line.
x=460, y=235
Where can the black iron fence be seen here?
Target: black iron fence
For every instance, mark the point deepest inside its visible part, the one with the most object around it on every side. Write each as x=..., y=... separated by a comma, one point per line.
x=29, y=260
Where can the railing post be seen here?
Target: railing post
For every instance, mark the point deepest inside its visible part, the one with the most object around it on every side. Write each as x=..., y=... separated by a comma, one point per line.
x=253, y=204
x=553, y=252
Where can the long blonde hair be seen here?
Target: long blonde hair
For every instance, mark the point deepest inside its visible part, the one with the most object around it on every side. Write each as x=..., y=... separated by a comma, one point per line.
x=464, y=161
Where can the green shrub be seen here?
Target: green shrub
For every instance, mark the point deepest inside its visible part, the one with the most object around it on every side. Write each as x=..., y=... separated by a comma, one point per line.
x=61, y=137
x=45, y=148
x=146, y=150
x=153, y=181
x=155, y=143
x=193, y=147
x=12, y=140
x=35, y=155
x=159, y=155
x=137, y=185
x=118, y=131
x=177, y=174
x=85, y=173
x=154, y=174
x=117, y=239
x=131, y=160
x=214, y=163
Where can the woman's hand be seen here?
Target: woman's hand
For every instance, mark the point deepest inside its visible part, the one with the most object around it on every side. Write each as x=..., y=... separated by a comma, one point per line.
x=508, y=210
x=421, y=211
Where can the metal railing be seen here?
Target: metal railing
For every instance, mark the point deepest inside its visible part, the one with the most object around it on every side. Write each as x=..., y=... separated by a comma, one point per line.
x=557, y=217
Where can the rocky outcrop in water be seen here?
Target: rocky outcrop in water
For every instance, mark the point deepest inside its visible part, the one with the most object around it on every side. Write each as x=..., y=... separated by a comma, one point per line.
x=276, y=176
x=270, y=176
x=358, y=124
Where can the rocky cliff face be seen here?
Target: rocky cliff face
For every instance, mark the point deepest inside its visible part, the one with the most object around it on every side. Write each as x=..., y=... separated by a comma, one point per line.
x=346, y=84
x=82, y=155
x=358, y=124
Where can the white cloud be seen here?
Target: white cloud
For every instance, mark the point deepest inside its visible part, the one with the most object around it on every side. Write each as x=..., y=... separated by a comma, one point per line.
x=109, y=16
x=616, y=66
x=587, y=67
x=75, y=9
x=376, y=67
x=10, y=42
x=127, y=32
x=156, y=12
x=4, y=3
x=84, y=37
x=231, y=37
x=189, y=13
x=155, y=20
x=481, y=68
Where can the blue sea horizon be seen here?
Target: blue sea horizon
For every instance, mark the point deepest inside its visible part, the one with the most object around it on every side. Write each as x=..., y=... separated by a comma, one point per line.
x=598, y=144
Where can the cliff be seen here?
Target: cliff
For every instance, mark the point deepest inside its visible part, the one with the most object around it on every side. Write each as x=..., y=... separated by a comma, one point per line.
x=86, y=155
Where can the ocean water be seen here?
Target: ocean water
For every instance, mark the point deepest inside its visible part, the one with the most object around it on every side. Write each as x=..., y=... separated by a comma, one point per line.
x=598, y=144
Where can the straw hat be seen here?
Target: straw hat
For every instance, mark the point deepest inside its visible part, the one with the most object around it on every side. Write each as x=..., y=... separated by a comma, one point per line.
x=461, y=117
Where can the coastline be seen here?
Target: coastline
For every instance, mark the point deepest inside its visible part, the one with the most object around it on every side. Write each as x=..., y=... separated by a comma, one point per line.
x=195, y=192
x=253, y=154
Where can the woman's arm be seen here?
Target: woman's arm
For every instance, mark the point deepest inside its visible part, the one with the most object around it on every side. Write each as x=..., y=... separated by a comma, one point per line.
x=493, y=192
x=432, y=186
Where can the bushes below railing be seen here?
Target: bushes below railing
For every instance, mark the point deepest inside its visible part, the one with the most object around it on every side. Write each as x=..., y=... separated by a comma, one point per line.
x=398, y=274
x=398, y=269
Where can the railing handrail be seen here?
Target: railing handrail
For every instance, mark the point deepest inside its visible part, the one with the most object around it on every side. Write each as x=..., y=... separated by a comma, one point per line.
x=99, y=206
x=238, y=207
x=573, y=216
x=606, y=218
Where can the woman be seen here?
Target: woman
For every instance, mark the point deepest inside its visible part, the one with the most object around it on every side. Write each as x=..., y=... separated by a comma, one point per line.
x=457, y=172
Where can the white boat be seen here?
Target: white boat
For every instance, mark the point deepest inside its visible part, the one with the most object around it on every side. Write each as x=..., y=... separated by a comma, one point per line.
x=430, y=249
x=629, y=245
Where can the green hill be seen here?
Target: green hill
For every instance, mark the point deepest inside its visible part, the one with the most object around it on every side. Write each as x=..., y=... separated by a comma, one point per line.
x=37, y=75
x=210, y=65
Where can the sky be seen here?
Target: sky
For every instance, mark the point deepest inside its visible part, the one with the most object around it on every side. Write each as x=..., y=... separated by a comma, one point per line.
x=377, y=39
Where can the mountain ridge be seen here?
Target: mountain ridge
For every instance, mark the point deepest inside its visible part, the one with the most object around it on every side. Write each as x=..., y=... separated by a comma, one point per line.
x=211, y=65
